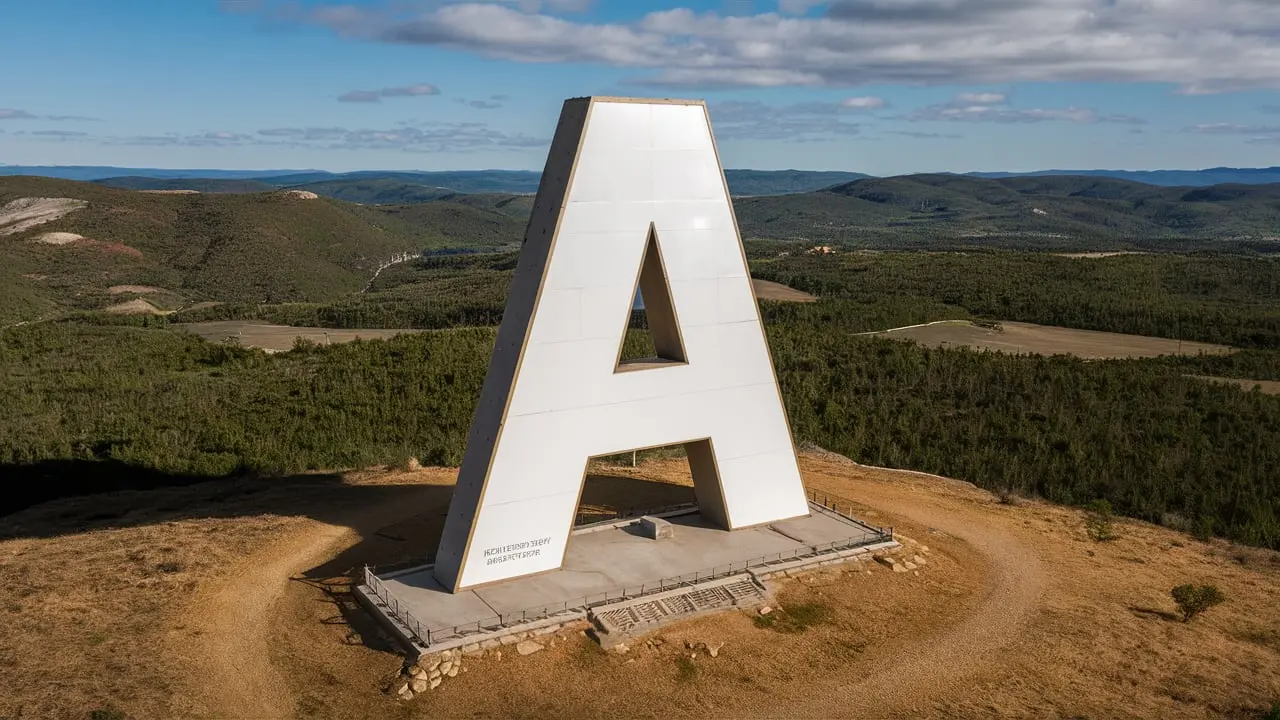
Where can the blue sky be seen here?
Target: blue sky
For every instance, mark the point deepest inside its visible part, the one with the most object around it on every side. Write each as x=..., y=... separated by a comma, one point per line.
x=876, y=86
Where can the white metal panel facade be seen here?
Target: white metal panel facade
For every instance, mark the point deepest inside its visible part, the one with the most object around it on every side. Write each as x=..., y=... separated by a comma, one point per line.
x=561, y=400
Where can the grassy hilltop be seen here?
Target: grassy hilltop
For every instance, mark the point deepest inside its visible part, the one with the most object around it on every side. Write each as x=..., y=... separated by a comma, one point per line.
x=265, y=247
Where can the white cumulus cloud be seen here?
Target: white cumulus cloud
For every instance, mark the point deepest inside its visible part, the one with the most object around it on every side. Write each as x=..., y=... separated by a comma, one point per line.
x=1197, y=45
x=863, y=103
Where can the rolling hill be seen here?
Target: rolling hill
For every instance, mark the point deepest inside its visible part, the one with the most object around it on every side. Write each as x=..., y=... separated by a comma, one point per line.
x=388, y=188
x=1047, y=212
x=276, y=246
x=741, y=182
x=1173, y=178
x=110, y=245
x=208, y=184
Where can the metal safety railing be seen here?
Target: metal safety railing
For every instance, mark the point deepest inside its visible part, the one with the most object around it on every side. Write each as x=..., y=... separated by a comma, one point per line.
x=607, y=514
x=428, y=635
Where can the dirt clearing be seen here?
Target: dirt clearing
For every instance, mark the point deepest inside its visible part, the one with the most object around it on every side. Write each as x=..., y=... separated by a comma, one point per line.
x=58, y=238
x=25, y=213
x=769, y=290
x=1100, y=255
x=229, y=600
x=1268, y=387
x=1030, y=339
x=135, y=289
x=136, y=307
x=278, y=338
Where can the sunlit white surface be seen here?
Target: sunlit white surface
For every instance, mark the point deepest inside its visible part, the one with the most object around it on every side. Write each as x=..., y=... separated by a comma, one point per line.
x=546, y=410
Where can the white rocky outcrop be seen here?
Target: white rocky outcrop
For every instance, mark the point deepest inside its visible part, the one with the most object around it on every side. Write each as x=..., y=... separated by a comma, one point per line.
x=58, y=238
x=25, y=213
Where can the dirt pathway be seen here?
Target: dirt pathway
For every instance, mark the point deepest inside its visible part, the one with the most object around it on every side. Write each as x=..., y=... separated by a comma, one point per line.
x=230, y=656
x=939, y=666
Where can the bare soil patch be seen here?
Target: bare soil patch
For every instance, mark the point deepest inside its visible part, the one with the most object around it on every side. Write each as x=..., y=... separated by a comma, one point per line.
x=769, y=290
x=25, y=213
x=229, y=600
x=278, y=338
x=1100, y=255
x=135, y=289
x=58, y=238
x=300, y=194
x=1269, y=387
x=171, y=192
x=1028, y=338
x=137, y=306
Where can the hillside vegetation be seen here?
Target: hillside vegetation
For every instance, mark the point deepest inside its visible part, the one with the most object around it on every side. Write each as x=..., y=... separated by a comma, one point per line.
x=209, y=185
x=1036, y=212
x=93, y=401
x=1216, y=299
x=261, y=247
x=91, y=408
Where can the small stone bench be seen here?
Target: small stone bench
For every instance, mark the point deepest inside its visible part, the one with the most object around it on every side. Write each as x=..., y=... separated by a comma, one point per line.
x=656, y=528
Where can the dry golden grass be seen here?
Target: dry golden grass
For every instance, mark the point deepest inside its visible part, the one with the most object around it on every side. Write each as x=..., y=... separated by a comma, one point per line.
x=1269, y=387
x=1028, y=338
x=769, y=290
x=230, y=601
x=275, y=338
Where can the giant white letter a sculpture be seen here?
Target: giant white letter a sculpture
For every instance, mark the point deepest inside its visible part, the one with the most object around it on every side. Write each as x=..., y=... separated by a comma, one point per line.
x=632, y=196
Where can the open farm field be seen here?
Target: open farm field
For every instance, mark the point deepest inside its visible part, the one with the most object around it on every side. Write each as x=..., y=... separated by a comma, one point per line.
x=278, y=338
x=767, y=290
x=1270, y=387
x=1028, y=338
x=232, y=600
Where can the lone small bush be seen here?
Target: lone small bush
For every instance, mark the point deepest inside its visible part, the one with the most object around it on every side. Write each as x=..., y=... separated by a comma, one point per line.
x=1098, y=521
x=795, y=618
x=1195, y=599
x=686, y=671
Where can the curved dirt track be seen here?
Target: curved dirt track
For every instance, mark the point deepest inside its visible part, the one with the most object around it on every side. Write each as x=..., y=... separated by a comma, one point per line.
x=237, y=678
x=938, y=665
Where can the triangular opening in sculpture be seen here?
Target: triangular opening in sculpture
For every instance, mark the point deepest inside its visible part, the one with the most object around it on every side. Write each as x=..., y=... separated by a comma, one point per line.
x=657, y=341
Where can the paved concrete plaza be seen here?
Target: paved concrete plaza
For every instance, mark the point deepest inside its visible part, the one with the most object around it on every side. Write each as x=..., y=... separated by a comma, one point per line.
x=617, y=558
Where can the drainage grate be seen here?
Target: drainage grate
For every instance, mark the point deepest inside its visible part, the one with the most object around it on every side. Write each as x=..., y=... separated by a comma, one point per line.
x=627, y=615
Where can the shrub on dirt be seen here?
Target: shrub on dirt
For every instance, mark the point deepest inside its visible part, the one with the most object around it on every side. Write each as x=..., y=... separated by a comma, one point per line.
x=1008, y=496
x=1195, y=599
x=1098, y=521
x=686, y=670
x=796, y=618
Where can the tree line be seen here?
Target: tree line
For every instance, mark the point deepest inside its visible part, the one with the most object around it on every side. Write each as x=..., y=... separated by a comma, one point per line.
x=1156, y=443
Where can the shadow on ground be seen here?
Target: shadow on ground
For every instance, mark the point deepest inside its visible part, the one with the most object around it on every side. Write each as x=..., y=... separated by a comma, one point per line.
x=63, y=497
x=80, y=496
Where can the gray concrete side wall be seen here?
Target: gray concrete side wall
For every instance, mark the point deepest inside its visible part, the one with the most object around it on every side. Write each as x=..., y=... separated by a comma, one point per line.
x=522, y=300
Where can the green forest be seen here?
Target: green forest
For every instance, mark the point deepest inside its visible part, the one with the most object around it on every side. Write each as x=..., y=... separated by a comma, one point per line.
x=90, y=407
x=1227, y=299
x=91, y=401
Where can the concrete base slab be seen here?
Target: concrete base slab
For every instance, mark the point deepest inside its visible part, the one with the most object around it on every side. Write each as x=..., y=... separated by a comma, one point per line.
x=614, y=563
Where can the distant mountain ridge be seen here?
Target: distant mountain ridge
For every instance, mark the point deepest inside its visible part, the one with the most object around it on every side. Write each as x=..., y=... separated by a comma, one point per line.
x=281, y=247
x=742, y=182
x=371, y=187
x=1164, y=178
